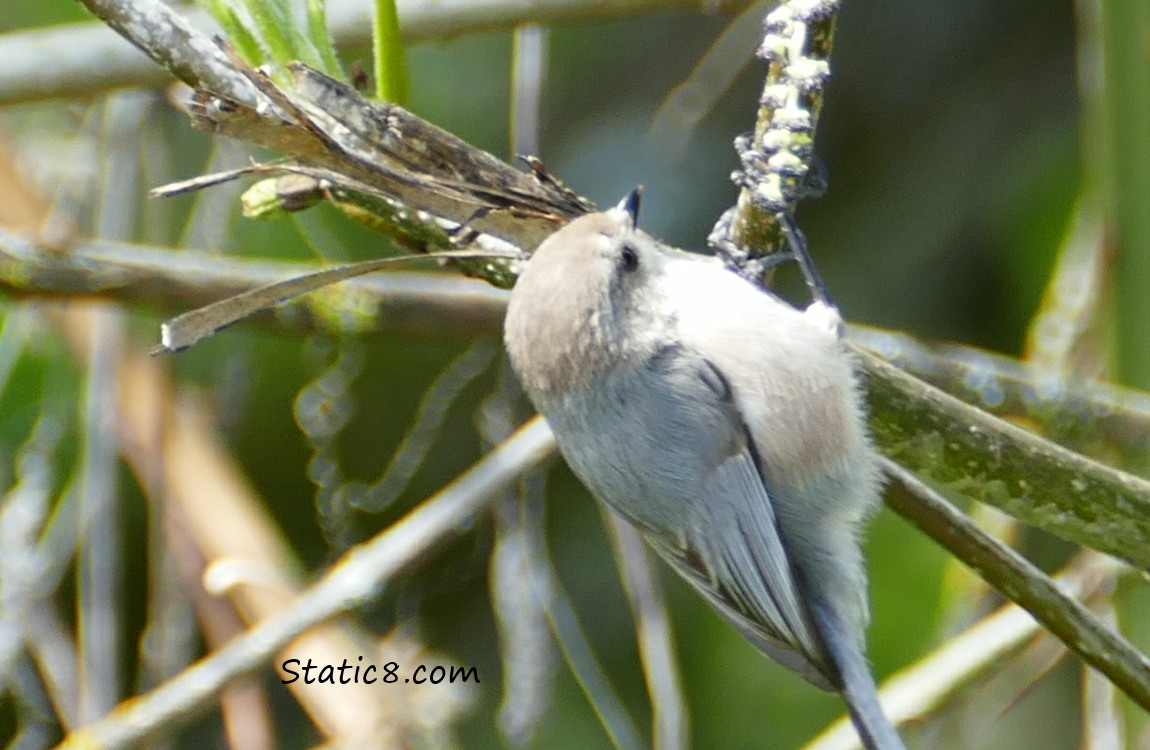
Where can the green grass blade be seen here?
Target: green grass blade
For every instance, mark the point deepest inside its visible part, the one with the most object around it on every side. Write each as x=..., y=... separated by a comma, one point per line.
x=320, y=37
x=1125, y=29
x=238, y=34
x=387, y=46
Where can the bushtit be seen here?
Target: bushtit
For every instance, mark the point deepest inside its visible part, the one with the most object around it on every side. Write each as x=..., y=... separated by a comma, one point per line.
x=723, y=423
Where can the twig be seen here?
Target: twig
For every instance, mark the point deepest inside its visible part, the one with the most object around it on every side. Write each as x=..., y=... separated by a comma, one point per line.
x=214, y=521
x=1065, y=334
x=416, y=182
x=194, y=326
x=585, y=667
x=516, y=576
x=25, y=507
x=670, y=719
x=31, y=705
x=685, y=106
x=1019, y=580
x=100, y=564
x=178, y=279
x=352, y=582
x=1103, y=722
x=1096, y=418
x=89, y=58
x=530, y=55
x=50, y=643
x=100, y=596
x=927, y=685
x=972, y=453
x=776, y=159
x=167, y=37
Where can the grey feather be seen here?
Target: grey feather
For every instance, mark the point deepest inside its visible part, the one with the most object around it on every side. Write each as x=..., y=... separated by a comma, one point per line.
x=699, y=456
x=724, y=424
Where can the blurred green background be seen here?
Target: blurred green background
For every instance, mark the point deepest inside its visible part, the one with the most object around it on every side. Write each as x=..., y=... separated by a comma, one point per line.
x=952, y=140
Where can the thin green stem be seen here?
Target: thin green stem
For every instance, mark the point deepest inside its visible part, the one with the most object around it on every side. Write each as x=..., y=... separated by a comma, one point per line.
x=321, y=36
x=1126, y=56
x=390, y=60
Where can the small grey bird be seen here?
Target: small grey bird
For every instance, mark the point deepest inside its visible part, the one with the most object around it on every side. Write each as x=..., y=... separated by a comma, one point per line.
x=724, y=424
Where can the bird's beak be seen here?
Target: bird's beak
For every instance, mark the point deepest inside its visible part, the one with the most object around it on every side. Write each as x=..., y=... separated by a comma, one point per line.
x=630, y=204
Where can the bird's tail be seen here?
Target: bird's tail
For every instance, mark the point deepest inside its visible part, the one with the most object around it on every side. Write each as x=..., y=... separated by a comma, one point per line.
x=858, y=686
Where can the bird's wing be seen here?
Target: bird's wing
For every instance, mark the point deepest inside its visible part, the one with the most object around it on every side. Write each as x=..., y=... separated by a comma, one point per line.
x=734, y=551
x=738, y=561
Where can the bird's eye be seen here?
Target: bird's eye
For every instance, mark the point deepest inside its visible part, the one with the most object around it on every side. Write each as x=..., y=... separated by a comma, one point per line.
x=629, y=258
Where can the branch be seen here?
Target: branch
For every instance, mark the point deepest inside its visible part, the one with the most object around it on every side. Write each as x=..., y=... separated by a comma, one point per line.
x=89, y=58
x=775, y=160
x=354, y=581
x=175, y=280
x=1019, y=580
x=168, y=38
x=967, y=452
x=1096, y=418
x=670, y=721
